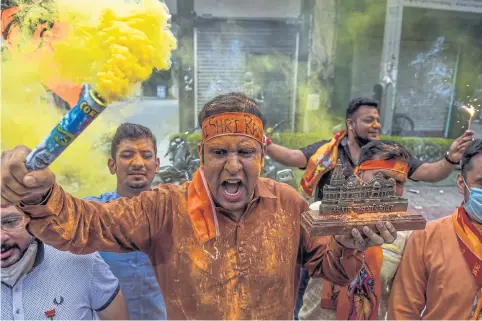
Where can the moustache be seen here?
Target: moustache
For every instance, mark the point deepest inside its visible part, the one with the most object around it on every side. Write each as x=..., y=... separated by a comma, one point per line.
x=6, y=247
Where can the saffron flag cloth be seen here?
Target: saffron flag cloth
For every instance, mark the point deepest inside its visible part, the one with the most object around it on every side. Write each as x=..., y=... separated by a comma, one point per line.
x=201, y=210
x=320, y=163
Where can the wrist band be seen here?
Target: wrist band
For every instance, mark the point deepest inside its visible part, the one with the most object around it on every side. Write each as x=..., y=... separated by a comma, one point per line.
x=449, y=160
x=268, y=141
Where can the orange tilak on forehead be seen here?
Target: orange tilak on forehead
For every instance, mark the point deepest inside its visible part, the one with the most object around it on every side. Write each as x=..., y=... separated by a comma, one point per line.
x=233, y=124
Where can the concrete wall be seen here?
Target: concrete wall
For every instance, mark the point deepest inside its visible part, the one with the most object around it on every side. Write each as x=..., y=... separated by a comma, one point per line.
x=249, y=9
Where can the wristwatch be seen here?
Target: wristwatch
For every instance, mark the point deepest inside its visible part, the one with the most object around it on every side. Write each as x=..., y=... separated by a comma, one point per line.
x=449, y=160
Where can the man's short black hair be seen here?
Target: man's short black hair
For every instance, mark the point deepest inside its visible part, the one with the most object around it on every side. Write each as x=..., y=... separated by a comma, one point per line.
x=356, y=103
x=384, y=150
x=132, y=132
x=474, y=149
x=232, y=102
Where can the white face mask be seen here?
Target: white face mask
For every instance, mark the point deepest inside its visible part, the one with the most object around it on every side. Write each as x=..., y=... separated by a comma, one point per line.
x=10, y=275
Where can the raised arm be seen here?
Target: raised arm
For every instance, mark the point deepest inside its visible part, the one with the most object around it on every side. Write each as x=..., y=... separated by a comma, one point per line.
x=440, y=170
x=293, y=157
x=286, y=156
x=78, y=226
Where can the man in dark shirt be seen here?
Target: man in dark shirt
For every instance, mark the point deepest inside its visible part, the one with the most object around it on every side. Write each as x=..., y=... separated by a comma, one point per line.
x=362, y=126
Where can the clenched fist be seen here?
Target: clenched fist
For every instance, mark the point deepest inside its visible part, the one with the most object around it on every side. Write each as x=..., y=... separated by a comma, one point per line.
x=18, y=184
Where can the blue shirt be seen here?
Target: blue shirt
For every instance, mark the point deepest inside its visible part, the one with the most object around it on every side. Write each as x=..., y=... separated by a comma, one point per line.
x=136, y=277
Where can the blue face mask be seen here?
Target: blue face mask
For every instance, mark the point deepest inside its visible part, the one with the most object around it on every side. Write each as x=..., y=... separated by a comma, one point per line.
x=473, y=206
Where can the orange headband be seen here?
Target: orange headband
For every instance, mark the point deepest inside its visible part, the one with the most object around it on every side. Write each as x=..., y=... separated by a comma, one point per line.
x=243, y=124
x=392, y=165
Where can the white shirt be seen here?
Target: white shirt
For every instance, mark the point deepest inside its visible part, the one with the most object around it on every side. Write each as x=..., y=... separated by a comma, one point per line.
x=75, y=286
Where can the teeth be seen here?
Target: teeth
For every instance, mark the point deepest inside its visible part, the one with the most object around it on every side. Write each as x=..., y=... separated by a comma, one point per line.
x=232, y=181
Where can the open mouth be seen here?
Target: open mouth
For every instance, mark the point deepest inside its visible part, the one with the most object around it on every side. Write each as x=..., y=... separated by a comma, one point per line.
x=232, y=188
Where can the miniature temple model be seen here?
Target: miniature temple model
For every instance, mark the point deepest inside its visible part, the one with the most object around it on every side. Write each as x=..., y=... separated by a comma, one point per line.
x=352, y=203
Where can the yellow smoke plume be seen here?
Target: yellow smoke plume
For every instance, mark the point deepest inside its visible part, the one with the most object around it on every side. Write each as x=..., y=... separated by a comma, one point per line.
x=111, y=45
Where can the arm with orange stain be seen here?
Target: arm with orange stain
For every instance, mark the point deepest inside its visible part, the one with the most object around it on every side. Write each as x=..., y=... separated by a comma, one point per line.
x=325, y=258
x=82, y=227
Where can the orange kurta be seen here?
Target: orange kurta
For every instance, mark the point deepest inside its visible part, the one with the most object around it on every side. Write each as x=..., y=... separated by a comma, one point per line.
x=433, y=273
x=247, y=272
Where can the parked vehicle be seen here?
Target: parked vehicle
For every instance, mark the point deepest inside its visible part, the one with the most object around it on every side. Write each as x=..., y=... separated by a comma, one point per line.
x=275, y=170
x=402, y=125
x=183, y=162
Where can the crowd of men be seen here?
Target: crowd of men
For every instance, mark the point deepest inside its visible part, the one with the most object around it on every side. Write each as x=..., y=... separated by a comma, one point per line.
x=228, y=244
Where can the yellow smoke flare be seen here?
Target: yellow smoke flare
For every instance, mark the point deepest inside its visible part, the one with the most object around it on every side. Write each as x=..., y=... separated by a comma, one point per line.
x=28, y=115
x=109, y=44
x=114, y=47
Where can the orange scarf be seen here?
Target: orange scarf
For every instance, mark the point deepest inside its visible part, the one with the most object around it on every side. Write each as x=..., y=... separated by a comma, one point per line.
x=361, y=298
x=470, y=243
x=201, y=210
x=320, y=163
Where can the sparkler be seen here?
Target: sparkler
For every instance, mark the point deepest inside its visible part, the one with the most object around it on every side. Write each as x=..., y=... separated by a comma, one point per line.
x=469, y=110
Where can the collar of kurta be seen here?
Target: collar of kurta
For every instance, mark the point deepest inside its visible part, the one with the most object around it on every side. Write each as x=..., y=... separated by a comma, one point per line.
x=202, y=210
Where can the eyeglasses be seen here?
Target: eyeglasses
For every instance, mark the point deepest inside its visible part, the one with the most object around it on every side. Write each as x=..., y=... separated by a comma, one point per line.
x=13, y=223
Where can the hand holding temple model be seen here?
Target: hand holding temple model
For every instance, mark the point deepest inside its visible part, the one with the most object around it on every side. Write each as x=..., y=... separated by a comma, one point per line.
x=355, y=240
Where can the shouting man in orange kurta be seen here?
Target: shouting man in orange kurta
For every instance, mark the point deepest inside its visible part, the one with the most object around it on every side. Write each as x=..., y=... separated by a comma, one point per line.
x=225, y=246
x=439, y=276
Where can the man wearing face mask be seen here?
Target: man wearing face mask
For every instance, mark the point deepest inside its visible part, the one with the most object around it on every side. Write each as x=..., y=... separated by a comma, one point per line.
x=40, y=282
x=439, y=276
x=134, y=161
x=223, y=245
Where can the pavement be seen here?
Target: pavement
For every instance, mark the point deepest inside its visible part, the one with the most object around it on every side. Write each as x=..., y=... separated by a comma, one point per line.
x=434, y=200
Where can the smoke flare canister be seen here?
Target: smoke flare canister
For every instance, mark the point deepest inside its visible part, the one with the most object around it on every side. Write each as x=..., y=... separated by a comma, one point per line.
x=89, y=106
